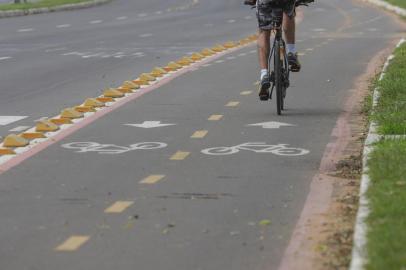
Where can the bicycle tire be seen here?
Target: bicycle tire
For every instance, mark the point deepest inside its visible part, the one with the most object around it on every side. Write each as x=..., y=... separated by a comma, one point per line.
x=278, y=77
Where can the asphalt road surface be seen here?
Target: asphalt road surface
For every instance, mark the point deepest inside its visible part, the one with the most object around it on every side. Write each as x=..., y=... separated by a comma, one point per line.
x=221, y=186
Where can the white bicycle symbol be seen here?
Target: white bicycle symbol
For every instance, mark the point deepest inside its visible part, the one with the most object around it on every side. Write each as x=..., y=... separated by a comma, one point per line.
x=84, y=147
x=257, y=147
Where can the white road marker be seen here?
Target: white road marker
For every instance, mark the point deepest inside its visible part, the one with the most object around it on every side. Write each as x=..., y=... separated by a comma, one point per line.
x=19, y=129
x=231, y=21
x=271, y=125
x=6, y=120
x=150, y=124
x=63, y=26
x=122, y=18
x=257, y=147
x=25, y=30
x=142, y=15
x=95, y=21
x=5, y=58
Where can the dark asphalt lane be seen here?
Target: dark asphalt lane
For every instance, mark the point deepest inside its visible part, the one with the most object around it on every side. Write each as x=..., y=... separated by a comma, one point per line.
x=52, y=68
x=205, y=212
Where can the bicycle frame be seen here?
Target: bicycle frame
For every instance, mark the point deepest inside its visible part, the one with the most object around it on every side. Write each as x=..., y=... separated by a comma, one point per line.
x=279, y=42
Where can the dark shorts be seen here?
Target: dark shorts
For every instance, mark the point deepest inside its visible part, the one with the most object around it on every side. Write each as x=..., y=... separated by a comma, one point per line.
x=264, y=12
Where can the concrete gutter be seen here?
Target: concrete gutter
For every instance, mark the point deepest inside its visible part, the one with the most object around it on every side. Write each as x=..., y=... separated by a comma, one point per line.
x=25, y=12
x=398, y=10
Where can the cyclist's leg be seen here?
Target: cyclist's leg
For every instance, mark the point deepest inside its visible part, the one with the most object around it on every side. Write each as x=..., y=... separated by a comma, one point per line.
x=289, y=27
x=264, y=25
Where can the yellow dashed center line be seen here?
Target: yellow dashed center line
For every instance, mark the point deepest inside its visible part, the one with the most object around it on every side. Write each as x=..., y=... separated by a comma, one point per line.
x=199, y=134
x=232, y=104
x=215, y=117
x=246, y=93
x=152, y=179
x=118, y=207
x=180, y=155
x=73, y=243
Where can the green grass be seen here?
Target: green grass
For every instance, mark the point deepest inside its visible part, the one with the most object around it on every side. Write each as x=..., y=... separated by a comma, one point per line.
x=400, y=3
x=387, y=196
x=39, y=4
x=390, y=113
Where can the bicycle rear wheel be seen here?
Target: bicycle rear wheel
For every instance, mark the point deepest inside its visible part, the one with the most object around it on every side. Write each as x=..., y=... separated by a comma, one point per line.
x=278, y=78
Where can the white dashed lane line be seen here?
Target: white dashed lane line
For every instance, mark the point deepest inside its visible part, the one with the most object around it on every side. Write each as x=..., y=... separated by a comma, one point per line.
x=5, y=58
x=6, y=120
x=24, y=30
x=19, y=129
x=141, y=15
x=122, y=18
x=63, y=26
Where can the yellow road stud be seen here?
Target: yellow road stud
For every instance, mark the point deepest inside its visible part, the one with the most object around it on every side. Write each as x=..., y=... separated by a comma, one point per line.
x=92, y=102
x=158, y=72
x=6, y=151
x=45, y=126
x=218, y=48
x=71, y=113
x=147, y=77
x=124, y=90
x=84, y=109
x=196, y=56
x=105, y=99
x=208, y=52
x=113, y=93
x=13, y=140
x=174, y=66
x=32, y=135
x=230, y=44
x=141, y=82
x=61, y=121
x=130, y=85
x=185, y=61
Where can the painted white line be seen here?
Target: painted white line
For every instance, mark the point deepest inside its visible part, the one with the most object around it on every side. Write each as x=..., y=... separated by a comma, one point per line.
x=73, y=53
x=95, y=21
x=231, y=21
x=319, y=30
x=159, y=12
x=219, y=61
x=231, y=57
x=248, y=17
x=6, y=120
x=242, y=54
x=122, y=18
x=92, y=55
x=5, y=58
x=25, y=30
x=253, y=51
x=63, y=26
x=19, y=129
x=141, y=15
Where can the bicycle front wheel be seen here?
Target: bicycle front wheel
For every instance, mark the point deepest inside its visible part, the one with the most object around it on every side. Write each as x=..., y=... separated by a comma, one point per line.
x=278, y=78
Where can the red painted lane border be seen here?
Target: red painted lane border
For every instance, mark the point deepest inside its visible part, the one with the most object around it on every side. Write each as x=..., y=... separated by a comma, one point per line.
x=19, y=158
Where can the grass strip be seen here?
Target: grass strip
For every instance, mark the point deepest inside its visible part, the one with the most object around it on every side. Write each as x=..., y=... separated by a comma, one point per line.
x=39, y=4
x=399, y=3
x=390, y=114
x=387, y=195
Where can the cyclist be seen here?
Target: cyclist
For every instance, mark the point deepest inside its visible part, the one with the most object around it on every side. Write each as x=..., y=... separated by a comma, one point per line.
x=264, y=17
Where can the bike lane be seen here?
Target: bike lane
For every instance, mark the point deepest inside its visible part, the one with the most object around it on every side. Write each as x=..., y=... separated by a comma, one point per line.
x=174, y=206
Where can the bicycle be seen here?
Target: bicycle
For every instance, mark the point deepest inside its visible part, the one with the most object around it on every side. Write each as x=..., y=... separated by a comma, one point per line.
x=279, y=76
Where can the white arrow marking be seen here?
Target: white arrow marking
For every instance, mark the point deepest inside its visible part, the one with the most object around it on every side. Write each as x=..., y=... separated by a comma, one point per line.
x=150, y=124
x=271, y=125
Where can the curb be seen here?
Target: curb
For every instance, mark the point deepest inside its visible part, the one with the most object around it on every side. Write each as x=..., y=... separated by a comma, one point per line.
x=359, y=252
x=32, y=11
x=398, y=10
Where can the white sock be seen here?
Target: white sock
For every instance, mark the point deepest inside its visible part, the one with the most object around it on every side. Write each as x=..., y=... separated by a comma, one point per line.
x=263, y=73
x=291, y=48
